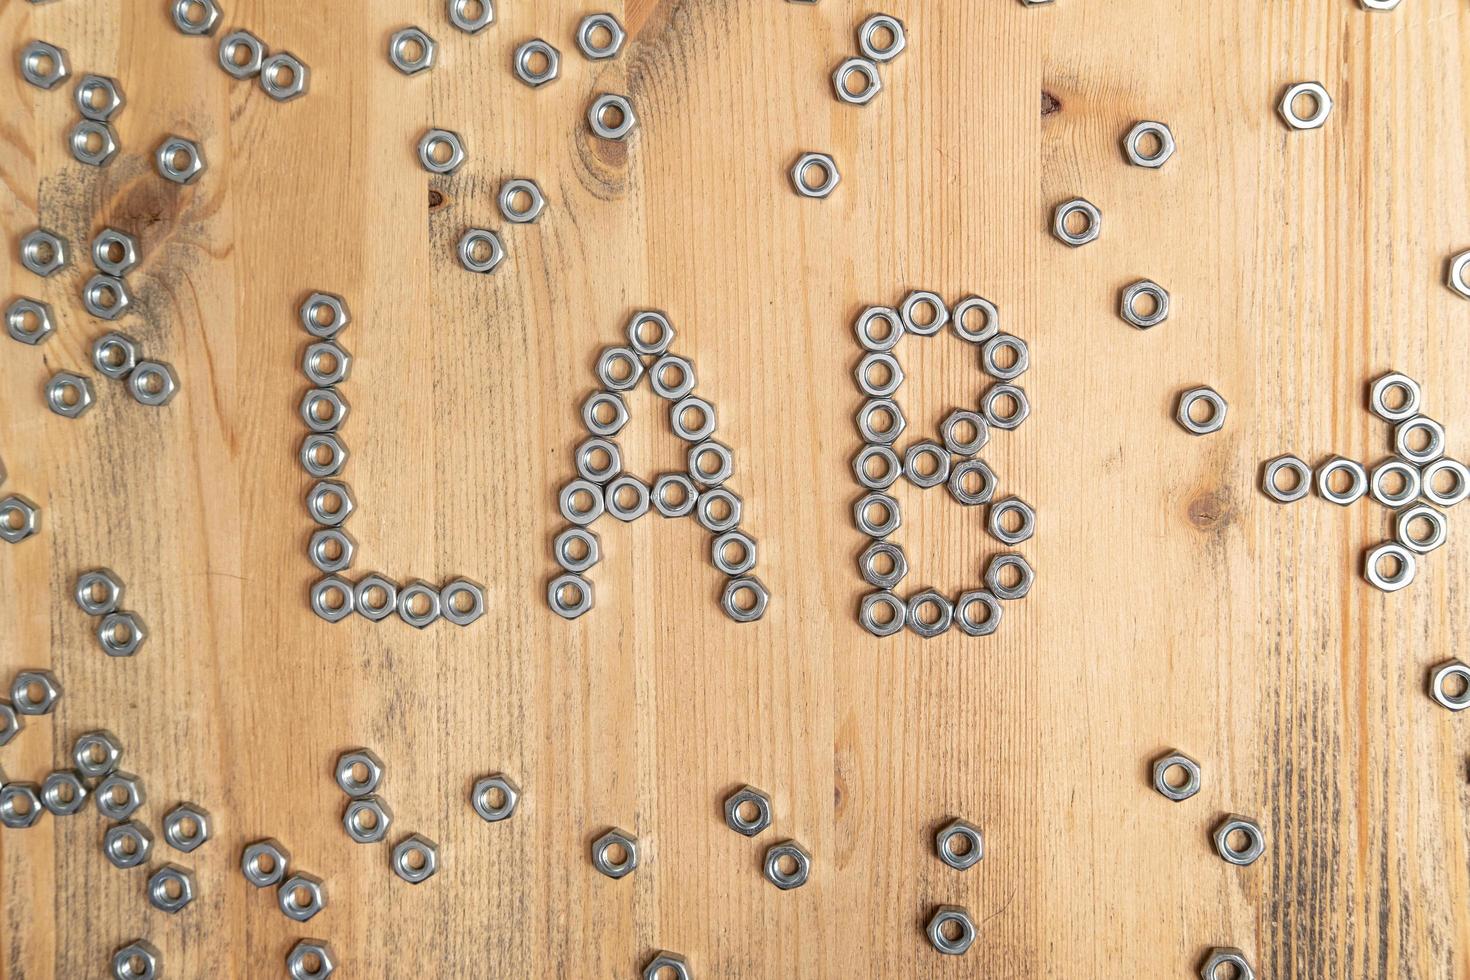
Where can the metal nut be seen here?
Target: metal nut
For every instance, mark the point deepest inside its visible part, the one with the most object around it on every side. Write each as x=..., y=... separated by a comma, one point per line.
x=241, y=54
x=1395, y=397
x=411, y=50
x=20, y=805
x=1062, y=221
x=604, y=850
x=1271, y=479
x=1145, y=289
x=951, y=931
x=748, y=798
x=106, y=297
x=264, y=862
x=98, y=97
x=1169, y=789
x=359, y=771
x=960, y=844
x=43, y=65
x=419, y=605
x=332, y=598
x=199, y=18
x=114, y=252
x=121, y=633
x=284, y=76
x=745, y=599
x=312, y=959
x=96, y=753
x=611, y=117
x=480, y=251
x=930, y=614
x=1133, y=145
x=138, y=960
x=93, y=143
x=461, y=16
x=1402, y=562
x=367, y=819
x=1212, y=422
x=300, y=896
x=487, y=790
x=870, y=83
x=120, y=795
x=63, y=793
x=1439, y=679
x=179, y=160
x=324, y=315
x=526, y=58
x=186, y=827
x=1255, y=840
x=35, y=692
x=588, y=33
x=1223, y=957
x=569, y=595
x=69, y=395
x=29, y=321
x=788, y=865
x=171, y=888
x=882, y=613
x=1313, y=92
x=43, y=252
x=823, y=166
x=513, y=193
x=127, y=845
x=416, y=859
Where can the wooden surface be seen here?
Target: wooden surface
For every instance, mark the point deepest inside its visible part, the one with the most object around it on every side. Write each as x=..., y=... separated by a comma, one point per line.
x=1175, y=605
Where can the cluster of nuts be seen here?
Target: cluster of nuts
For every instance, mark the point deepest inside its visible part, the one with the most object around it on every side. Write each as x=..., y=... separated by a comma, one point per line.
x=20, y=517
x=600, y=37
x=99, y=593
x=880, y=38
x=602, y=487
x=367, y=818
x=1416, y=480
x=242, y=55
x=953, y=461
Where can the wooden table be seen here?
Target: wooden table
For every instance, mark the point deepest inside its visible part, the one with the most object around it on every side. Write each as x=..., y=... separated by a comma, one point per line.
x=1175, y=605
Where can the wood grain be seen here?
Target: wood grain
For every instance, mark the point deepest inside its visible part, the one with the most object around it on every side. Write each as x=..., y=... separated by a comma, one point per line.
x=1175, y=605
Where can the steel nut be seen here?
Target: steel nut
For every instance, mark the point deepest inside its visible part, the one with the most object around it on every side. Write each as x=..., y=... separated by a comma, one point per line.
x=416, y=859
x=264, y=862
x=331, y=550
x=462, y=601
x=748, y=811
x=11, y=723
x=127, y=845
x=43, y=252
x=115, y=354
x=1176, y=789
x=1133, y=145
x=43, y=65
x=951, y=931
x=29, y=321
x=171, y=888
x=1311, y=91
x=359, y=772
x=300, y=896
x=605, y=849
x=488, y=790
x=284, y=76
x=179, y=160
x=63, y=793
x=198, y=18
x=1459, y=275
x=411, y=50
x=319, y=503
x=241, y=54
x=35, y=692
x=69, y=395
x=20, y=518
x=186, y=827
x=98, y=97
x=120, y=795
x=93, y=143
x=1221, y=957
x=138, y=960
x=367, y=819
x=1439, y=685
x=106, y=297
x=960, y=844
x=666, y=964
x=96, y=753
x=788, y=865
x=1255, y=840
x=153, y=383
x=324, y=315
x=311, y=959
x=526, y=57
x=745, y=599
x=121, y=633
x=20, y=805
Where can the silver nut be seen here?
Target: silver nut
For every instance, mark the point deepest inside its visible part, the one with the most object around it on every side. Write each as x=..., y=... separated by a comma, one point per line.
x=521, y=201
x=63, y=793
x=1170, y=788
x=951, y=931
x=20, y=805
x=93, y=143
x=964, y=613
x=881, y=476
x=98, y=97
x=106, y=297
x=615, y=853
x=43, y=252
x=35, y=692
x=312, y=959
x=748, y=811
x=441, y=151
x=882, y=613
x=96, y=753
x=1149, y=291
x=29, y=321
x=324, y=315
x=1395, y=397
x=1223, y=957
x=412, y=50
x=719, y=510
x=301, y=896
x=359, y=772
x=745, y=599
x=965, y=433
x=815, y=175
x=1440, y=687
x=569, y=595
x=480, y=250
x=1214, y=418
x=930, y=614
x=650, y=333
x=1012, y=521
x=577, y=549
x=998, y=577
x=179, y=160
x=1408, y=444
x=332, y=550
x=1357, y=481
x=666, y=964
x=1459, y=274
x=472, y=16
x=1313, y=93
x=186, y=827
x=284, y=76
x=98, y=591
x=121, y=633
x=883, y=565
x=787, y=865
x=11, y=723
x=495, y=797
x=114, y=252
x=127, y=845
x=416, y=859
x=1076, y=222
x=326, y=363
x=171, y=888
x=960, y=844
x=138, y=960
x=419, y=605
x=878, y=374
x=153, y=383
x=20, y=518
x=332, y=598
x=882, y=38
x=323, y=454
x=43, y=65
x=611, y=117
x=537, y=63
x=264, y=862
x=1133, y=145
x=69, y=395
x=119, y=795
x=875, y=410
x=462, y=601
x=711, y=463
x=868, y=82
x=1408, y=521
x=600, y=36
x=1254, y=841
x=241, y=54
x=375, y=597
x=199, y=18
x=367, y=819
x=324, y=409
x=1290, y=492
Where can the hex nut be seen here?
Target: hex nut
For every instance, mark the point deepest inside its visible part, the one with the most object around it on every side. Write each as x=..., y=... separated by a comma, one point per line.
x=153, y=383
x=198, y=18
x=318, y=503
x=115, y=355
x=525, y=56
x=778, y=856
x=1385, y=385
x=1144, y=289
x=121, y=633
x=1404, y=528
x=1213, y=422
x=43, y=252
x=171, y=888
x=301, y=896
x=96, y=753
x=179, y=160
x=326, y=363
x=119, y=784
x=312, y=951
x=738, y=801
x=868, y=34
x=820, y=163
x=353, y=762
x=930, y=614
x=875, y=576
x=284, y=76
x=745, y=599
x=186, y=827
x=1178, y=792
x=482, y=797
x=409, y=599
x=1459, y=274
x=20, y=518
x=366, y=589
x=127, y=845
x=1255, y=840
x=29, y=321
x=947, y=918
x=264, y=862
x=511, y=193
x=480, y=251
x=332, y=598
x=1062, y=220
x=868, y=613
x=43, y=65
x=93, y=143
x=324, y=315
x=433, y=160
x=416, y=846
x=995, y=577
x=35, y=692
x=401, y=50
x=664, y=963
x=966, y=621
x=587, y=36
x=450, y=601
x=602, y=850
x=1439, y=679
x=138, y=960
x=312, y=448
x=1312, y=90
x=20, y=805
x=1132, y=145
x=106, y=297
x=1223, y=956
x=459, y=15
x=960, y=830
x=611, y=117
x=98, y=97
x=241, y=54
x=11, y=723
x=319, y=550
x=367, y=819
x=872, y=82
x=63, y=793
x=69, y=395
x=1373, y=561
x=557, y=595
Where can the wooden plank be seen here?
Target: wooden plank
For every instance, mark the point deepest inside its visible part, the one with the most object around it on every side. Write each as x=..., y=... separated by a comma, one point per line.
x=1175, y=605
